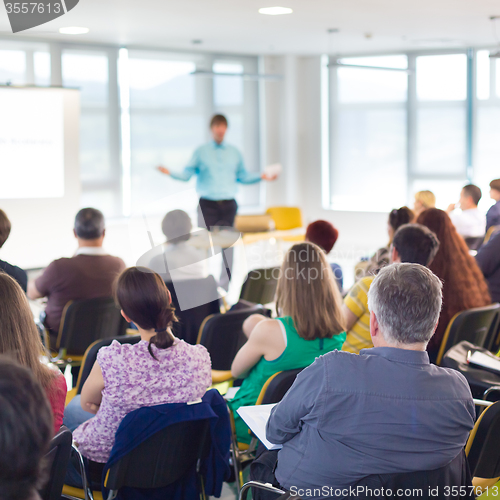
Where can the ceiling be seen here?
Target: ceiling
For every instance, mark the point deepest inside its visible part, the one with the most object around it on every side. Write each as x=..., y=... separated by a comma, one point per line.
x=235, y=26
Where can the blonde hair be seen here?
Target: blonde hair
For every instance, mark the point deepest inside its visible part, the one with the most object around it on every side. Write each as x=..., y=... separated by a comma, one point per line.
x=426, y=198
x=307, y=291
x=19, y=336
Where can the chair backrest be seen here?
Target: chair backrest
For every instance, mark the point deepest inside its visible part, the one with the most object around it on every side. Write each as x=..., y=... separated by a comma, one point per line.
x=474, y=242
x=56, y=463
x=491, y=231
x=419, y=484
x=85, y=321
x=163, y=458
x=193, y=300
x=483, y=446
x=90, y=356
x=476, y=325
x=277, y=386
x=222, y=335
x=260, y=285
x=285, y=217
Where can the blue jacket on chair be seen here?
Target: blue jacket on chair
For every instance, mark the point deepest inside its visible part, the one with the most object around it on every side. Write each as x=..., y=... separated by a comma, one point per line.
x=140, y=424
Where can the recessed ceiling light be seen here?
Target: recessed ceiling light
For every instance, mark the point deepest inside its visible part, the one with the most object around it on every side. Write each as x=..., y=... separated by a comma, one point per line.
x=275, y=11
x=73, y=30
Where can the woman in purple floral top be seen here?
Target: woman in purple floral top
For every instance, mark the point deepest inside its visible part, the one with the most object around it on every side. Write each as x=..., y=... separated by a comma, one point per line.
x=159, y=369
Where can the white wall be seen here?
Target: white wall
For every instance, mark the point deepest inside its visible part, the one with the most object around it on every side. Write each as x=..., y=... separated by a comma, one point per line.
x=42, y=228
x=293, y=130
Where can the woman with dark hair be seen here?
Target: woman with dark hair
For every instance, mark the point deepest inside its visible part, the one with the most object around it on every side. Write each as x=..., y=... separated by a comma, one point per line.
x=397, y=218
x=159, y=369
x=464, y=286
x=19, y=339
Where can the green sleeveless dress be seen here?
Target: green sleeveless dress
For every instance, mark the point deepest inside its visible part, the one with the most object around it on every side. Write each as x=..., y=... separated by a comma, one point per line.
x=298, y=353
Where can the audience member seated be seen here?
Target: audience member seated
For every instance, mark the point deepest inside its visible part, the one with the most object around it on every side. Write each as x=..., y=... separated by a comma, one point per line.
x=488, y=260
x=87, y=275
x=412, y=243
x=464, y=286
x=310, y=324
x=470, y=222
x=324, y=234
x=493, y=214
x=385, y=411
x=19, y=338
x=178, y=259
x=16, y=272
x=25, y=432
x=159, y=369
x=397, y=218
x=423, y=201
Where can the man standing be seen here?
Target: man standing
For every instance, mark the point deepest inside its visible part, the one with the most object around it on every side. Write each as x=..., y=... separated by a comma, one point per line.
x=470, y=222
x=218, y=167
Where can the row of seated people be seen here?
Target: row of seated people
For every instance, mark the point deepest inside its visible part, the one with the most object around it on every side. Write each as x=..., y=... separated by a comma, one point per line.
x=347, y=416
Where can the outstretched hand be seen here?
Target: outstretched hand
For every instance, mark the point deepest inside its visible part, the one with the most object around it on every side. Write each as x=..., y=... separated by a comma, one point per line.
x=164, y=170
x=266, y=177
x=451, y=208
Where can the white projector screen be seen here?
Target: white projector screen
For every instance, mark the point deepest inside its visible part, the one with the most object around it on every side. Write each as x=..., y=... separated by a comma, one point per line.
x=39, y=172
x=31, y=144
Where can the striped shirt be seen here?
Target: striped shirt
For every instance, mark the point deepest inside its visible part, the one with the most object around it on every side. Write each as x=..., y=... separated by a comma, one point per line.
x=358, y=337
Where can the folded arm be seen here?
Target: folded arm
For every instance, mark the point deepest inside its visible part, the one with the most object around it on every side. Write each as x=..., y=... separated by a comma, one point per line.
x=92, y=390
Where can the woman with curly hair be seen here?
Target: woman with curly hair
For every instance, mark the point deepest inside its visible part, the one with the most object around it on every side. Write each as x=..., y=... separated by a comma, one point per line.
x=464, y=286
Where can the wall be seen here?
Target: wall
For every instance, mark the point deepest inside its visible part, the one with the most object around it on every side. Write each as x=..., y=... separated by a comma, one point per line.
x=293, y=134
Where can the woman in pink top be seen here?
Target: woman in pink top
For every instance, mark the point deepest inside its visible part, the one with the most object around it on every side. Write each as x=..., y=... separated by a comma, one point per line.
x=19, y=339
x=159, y=369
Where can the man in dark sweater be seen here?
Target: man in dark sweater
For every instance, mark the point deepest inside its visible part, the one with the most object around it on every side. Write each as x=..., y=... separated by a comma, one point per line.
x=88, y=274
x=16, y=272
x=488, y=259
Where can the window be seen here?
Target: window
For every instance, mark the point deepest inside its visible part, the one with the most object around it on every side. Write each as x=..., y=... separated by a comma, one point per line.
x=400, y=123
x=368, y=134
x=158, y=114
x=12, y=67
x=99, y=169
x=487, y=124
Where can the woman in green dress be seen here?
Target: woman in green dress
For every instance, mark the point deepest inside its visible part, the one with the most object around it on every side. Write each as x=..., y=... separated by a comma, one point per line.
x=310, y=324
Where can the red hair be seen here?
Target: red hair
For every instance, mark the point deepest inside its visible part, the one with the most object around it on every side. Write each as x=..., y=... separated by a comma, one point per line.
x=323, y=234
x=464, y=286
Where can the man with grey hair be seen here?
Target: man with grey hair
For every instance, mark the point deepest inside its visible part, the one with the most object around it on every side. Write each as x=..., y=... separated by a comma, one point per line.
x=88, y=274
x=386, y=410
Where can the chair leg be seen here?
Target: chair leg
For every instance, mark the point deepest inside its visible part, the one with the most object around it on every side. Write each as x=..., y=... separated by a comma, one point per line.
x=83, y=472
x=262, y=486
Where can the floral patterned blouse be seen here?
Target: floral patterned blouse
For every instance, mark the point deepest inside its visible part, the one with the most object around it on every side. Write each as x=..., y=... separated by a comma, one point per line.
x=133, y=378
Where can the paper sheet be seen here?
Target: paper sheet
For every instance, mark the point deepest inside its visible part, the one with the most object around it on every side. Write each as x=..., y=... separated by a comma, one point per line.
x=273, y=170
x=256, y=418
x=484, y=361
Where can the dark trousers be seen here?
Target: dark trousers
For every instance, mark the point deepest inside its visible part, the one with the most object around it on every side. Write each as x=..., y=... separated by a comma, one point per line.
x=262, y=470
x=219, y=213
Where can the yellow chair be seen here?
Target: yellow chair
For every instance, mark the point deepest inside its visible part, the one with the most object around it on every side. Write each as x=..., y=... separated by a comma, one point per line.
x=492, y=230
x=483, y=449
x=478, y=326
x=272, y=391
x=285, y=218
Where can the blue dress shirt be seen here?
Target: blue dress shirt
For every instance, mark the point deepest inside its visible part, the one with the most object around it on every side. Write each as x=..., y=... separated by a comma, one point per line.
x=219, y=168
x=385, y=410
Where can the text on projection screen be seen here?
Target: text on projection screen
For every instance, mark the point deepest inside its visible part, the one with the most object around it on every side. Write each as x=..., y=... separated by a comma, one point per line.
x=31, y=144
